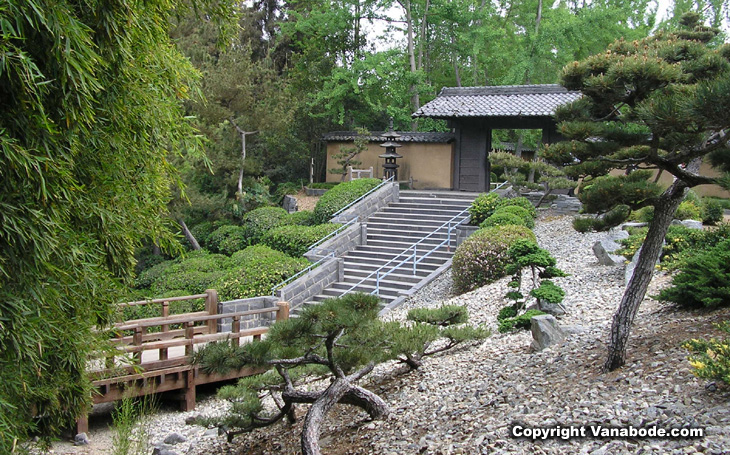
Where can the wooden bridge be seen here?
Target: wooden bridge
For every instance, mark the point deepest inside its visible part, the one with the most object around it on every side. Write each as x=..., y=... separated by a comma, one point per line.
x=152, y=355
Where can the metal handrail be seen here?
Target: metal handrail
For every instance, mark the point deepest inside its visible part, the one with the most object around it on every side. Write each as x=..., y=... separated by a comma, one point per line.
x=277, y=286
x=332, y=234
x=390, y=179
x=412, y=256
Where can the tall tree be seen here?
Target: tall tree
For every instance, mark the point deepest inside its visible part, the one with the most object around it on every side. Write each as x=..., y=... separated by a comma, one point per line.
x=91, y=112
x=658, y=103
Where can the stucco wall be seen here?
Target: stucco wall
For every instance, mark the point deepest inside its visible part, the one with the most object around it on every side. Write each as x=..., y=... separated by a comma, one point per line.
x=429, y=164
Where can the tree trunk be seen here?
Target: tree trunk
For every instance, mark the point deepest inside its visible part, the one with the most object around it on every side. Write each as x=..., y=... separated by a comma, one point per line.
x=636, y=289
x=415, y=99
x=313, y=421
x=189, y=235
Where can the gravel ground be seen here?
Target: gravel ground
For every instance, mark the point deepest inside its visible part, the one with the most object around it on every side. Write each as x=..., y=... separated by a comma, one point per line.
x=467, y=401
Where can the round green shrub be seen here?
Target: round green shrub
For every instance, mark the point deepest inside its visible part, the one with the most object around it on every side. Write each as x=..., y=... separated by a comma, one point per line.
x=518, y=202
x=585, y=224
x=192, y=274
x=502, y=219
x=712, y=212
x=644, y=214
x=302, y=218
x=257, y=269
x=615, y=216
x=687, y=210
x=484, y=205
x=482, y=258
x=227, y=239
x=341, y=195
x=202, y=231
x=295, y=240
x=527, y=219
x=257, y=222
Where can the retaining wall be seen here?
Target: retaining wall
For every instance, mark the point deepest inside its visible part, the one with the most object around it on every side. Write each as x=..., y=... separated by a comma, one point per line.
x=312, y=283
x=390, y=192
x=340, y=244
x=247, y=322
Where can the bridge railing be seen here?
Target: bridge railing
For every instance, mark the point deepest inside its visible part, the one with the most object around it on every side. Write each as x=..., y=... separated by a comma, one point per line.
x=169, y=340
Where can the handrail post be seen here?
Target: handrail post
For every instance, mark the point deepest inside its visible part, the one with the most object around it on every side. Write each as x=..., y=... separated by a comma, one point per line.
x=211, y=307
x=235, y=328
x=448, y=239
x=377, y=284
x=137, y=341
x=165, y=327
x=189, y=333
x=414, y=260
x=282, y=314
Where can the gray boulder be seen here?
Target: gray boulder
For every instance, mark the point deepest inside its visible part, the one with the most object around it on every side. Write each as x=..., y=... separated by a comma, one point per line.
x=603, y=250
x=81, y=439
x=290, y=204
x=689, y=224
x=545, y=332
x=175, y=438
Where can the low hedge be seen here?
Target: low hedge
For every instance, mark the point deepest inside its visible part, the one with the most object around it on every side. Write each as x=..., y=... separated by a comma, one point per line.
x=295, y=240
x=525, y=215
x=502, y=219
x=227, y=239
x=256, y=270
x=482, y=258
x=341, y=195
x=521, y=201
x=483, y=206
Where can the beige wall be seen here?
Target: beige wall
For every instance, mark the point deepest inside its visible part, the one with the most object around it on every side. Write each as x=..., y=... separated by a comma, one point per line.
x=430, y=165
x=702, y=190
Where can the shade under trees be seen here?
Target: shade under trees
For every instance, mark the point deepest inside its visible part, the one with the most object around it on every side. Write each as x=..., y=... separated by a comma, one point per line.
x=658, y=104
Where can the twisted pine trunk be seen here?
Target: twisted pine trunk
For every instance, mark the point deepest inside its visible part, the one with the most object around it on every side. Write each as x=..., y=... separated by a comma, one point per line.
x=636, y=289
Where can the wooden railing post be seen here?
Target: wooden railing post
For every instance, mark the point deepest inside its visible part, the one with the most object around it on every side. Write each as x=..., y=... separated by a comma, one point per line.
x=137, y=341
x=235, y=328
x=282, y=313
x=211, y=306
x=165, y=327
x=189, y=333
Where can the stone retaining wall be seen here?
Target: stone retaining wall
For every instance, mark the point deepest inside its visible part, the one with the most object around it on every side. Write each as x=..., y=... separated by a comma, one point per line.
x=341, y=243
x=312, y=283
x=247, y=322
x=390, y=192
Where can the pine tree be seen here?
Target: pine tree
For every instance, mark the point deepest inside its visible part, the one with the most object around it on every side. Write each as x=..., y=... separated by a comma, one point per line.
x=659, y=103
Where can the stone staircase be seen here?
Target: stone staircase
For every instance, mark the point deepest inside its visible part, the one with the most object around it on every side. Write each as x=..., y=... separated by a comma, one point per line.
x=391, y=234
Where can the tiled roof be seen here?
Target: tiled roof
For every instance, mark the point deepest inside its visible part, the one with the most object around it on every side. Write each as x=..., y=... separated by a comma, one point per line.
x=498, y=101
x=377, y=136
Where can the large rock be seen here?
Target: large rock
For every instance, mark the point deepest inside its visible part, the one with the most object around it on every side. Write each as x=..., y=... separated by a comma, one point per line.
x=545, y=332
x=689, y=224
x=81, y=439
x=603, y=250
x=290, y=204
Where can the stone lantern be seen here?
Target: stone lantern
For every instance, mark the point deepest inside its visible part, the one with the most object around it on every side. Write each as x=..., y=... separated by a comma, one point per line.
x=390, y=167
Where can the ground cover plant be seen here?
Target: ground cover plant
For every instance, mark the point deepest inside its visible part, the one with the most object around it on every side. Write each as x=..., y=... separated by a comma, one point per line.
x=341, y=195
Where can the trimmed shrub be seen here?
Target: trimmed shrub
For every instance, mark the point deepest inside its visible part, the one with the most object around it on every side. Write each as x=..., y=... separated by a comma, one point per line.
x=644, y=214
x=548, y=292
x=502, y=219
x=227, y=239
x=295, y=240
x=506, y=312
x=258, y=269
x=190, y=275
x=616, y=216
x=527, y=218
x=703, y=279
x=712, y=212
x=322, y=185
x=257, y=222
x=302, y=218
x=687, y=210
x=443, y=316
x=584, y=224
x=341, y=195
x=518, y=202
x=522, y=321
x=484, y=205
x=482, y=258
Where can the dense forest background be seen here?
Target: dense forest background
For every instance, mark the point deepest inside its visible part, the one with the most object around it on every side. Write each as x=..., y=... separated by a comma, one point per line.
x=297, y=69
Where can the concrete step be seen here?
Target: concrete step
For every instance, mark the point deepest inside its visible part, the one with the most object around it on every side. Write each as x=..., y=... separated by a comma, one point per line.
x=424, y=267
x=401, y=275
x=394, y=251
x=403, y=244
x=365, y=256
x=339, y=289
x=411, y=236
x=385, y=283
x=437, y=194
x=406, y=227
x=425, y=220
x=420, y=211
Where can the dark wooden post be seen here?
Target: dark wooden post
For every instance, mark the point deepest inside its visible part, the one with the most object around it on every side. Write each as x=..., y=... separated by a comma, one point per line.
x=235, y=328
x=137, y=341
x=211, y=306
x=188, y=401
x=189, y=333
x=165, y=327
